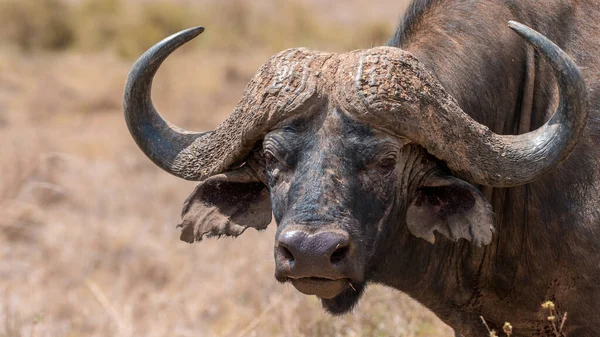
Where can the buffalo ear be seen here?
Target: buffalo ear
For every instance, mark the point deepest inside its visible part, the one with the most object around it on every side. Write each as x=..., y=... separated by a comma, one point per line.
x=451, y=207
x=226, y=204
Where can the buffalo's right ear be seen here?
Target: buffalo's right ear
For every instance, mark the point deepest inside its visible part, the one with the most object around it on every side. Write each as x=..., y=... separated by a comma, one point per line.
x=226, y=204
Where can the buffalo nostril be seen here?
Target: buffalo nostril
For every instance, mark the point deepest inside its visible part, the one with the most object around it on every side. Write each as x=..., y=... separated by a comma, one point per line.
x=286, y=253
x=339, y=254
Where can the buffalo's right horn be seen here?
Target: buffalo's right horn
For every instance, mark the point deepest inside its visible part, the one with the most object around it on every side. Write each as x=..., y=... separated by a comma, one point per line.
x=286, y=81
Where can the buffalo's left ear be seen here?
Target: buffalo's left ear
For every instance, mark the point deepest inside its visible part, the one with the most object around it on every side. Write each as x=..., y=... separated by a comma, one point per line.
x=451, y=207
x=226, y=204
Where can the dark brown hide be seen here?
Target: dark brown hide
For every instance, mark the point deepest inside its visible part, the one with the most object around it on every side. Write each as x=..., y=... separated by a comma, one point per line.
x=547, y=239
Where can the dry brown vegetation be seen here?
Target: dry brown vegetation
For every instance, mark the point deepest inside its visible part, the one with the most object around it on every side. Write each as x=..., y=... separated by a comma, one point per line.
x=88, y=245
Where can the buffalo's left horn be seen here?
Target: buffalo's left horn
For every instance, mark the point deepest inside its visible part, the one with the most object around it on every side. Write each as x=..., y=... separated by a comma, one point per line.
x=278, y=88
x=520, y=159
x=403, y=97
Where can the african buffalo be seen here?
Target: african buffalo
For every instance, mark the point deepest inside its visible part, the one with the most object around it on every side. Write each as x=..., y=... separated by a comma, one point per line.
x=457, y=164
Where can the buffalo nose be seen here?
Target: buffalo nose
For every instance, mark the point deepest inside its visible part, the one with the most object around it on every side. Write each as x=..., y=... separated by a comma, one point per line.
x=318, y=250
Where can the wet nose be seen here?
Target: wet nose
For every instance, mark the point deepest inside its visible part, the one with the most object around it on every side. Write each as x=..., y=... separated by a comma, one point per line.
x=316, y=253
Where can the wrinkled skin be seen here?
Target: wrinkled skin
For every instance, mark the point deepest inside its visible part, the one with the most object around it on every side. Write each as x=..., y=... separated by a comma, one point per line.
x=332, y=172
x=303, y=166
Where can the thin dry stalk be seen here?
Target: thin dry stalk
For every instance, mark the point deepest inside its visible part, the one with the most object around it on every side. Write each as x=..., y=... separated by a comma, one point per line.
x=562, y=324
x=257, y=320
x=103, y=300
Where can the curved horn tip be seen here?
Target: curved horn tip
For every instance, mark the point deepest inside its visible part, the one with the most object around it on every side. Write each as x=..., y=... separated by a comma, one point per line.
x=527, y=32
x=164, y=48
x=515, y=25
x=190, y=32
x=157, y=138
x=521, y=29
x=179, y=38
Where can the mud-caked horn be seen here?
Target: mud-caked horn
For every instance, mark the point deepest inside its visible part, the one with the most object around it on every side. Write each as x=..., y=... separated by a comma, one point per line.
x=285, y=82
x=394, y=91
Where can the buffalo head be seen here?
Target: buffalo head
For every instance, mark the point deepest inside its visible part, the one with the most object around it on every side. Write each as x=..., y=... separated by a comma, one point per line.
x=346, y=151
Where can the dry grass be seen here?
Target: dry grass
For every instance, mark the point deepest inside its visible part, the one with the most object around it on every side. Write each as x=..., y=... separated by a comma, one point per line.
x=88, y=245
x=128, y=27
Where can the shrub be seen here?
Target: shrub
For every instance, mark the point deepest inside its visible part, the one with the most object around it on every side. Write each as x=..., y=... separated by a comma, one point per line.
x=36, y=24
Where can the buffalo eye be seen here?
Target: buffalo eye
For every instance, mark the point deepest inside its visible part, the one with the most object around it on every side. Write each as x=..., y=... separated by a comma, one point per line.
x=274, y=161
x=270, y=158
x=387, y=164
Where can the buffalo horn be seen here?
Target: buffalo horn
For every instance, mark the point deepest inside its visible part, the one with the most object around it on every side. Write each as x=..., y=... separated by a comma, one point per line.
x=400, y=95
x=284, y=83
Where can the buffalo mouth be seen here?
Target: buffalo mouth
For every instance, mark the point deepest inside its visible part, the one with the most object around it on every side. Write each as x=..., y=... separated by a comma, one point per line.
x=321, y=287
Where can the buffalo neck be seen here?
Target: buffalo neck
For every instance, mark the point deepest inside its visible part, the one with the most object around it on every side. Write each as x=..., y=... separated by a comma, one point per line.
x=503, y=84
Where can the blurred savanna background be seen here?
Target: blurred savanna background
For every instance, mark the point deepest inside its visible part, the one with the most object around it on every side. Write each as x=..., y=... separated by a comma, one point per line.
x=88, y=244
